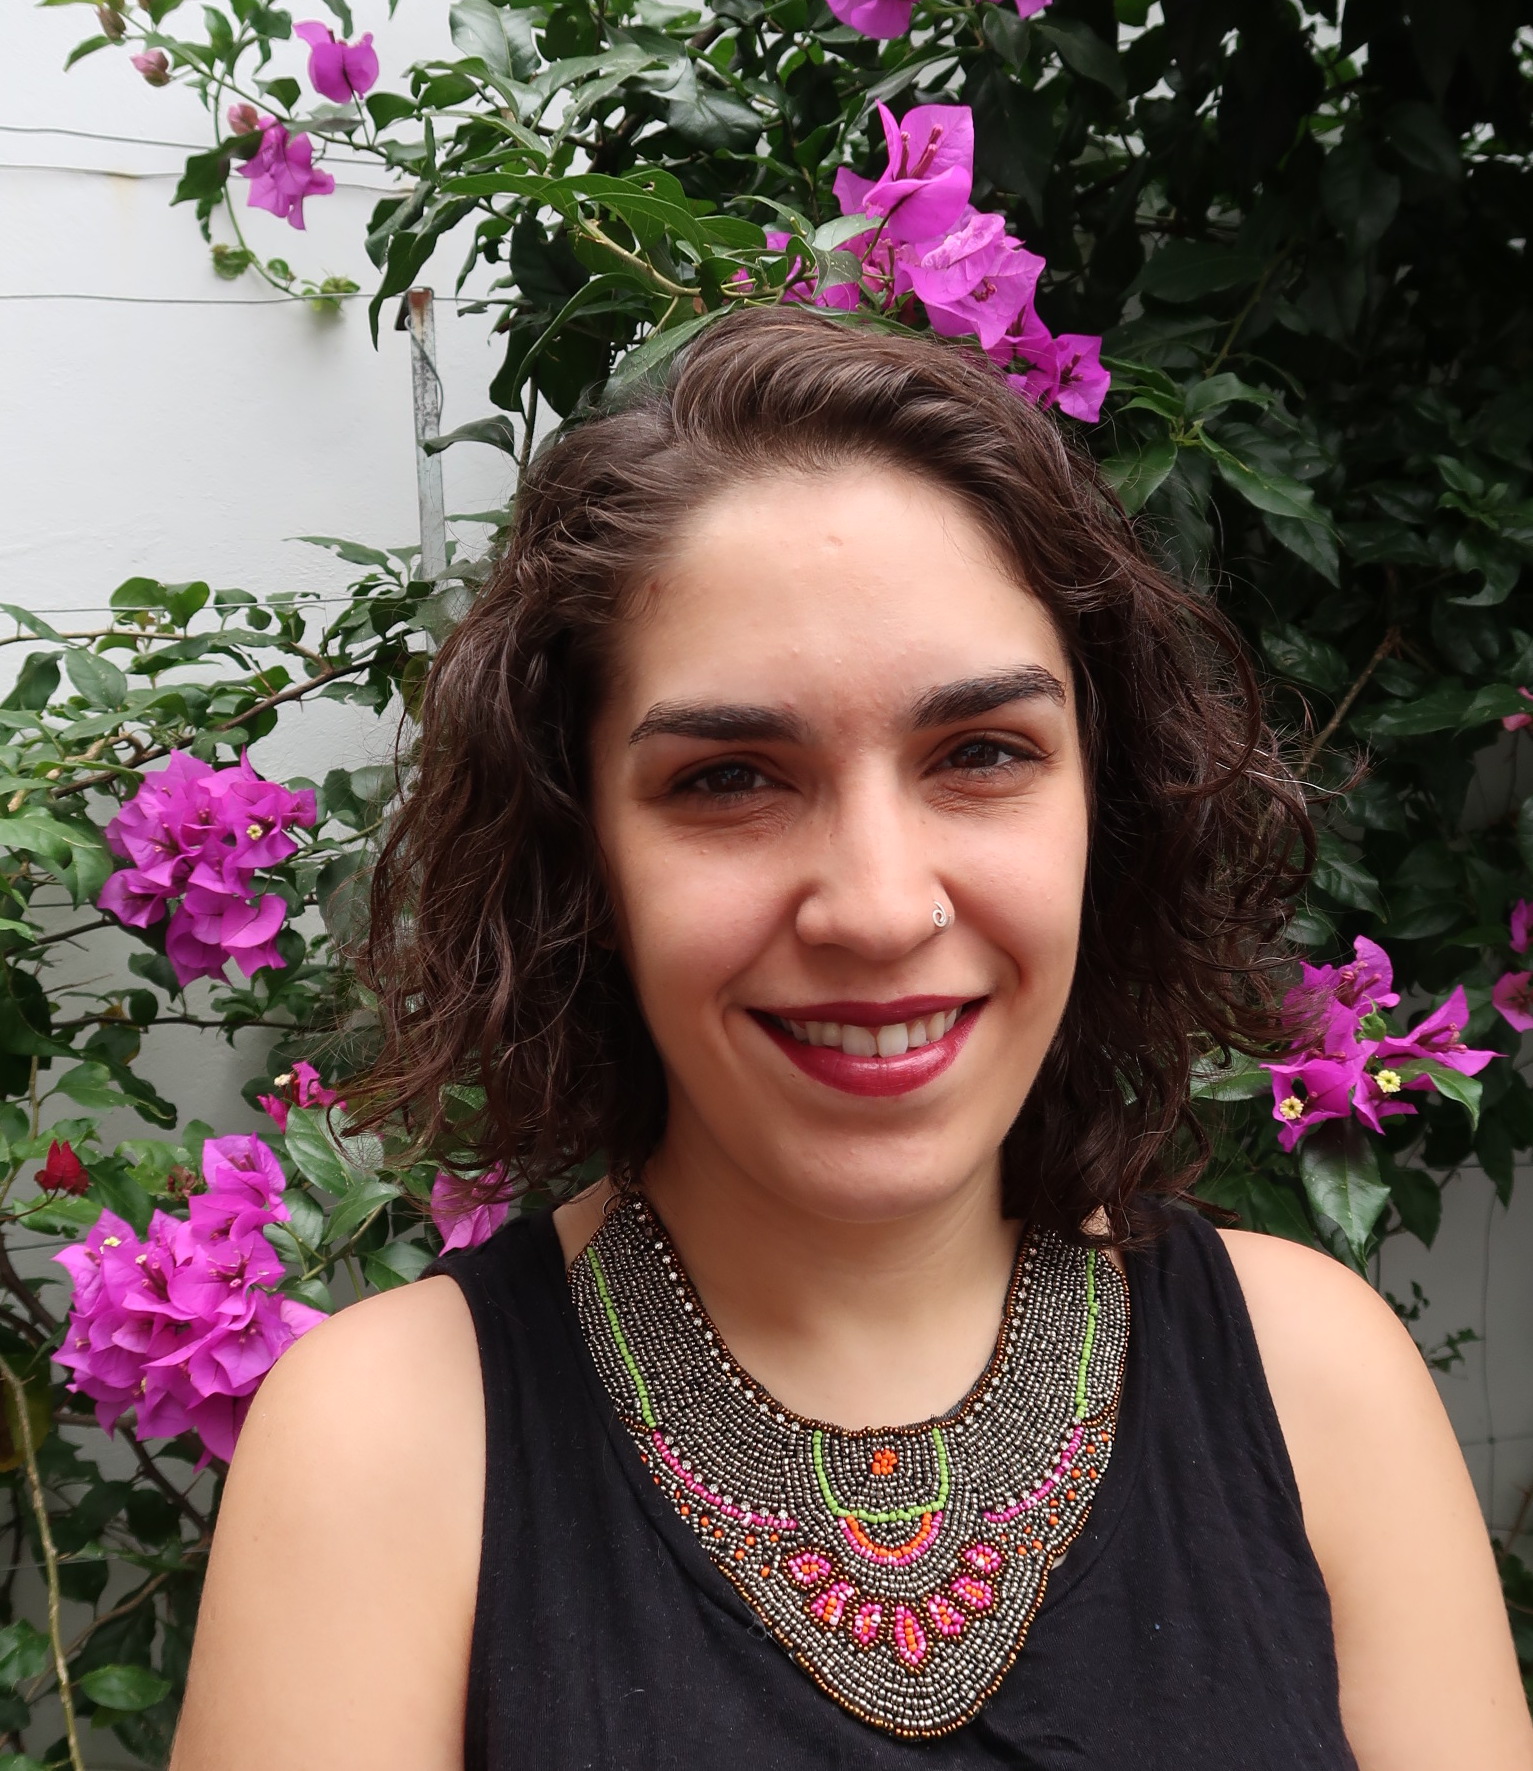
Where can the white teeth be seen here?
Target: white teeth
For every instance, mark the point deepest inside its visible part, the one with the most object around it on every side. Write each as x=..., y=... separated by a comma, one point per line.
x=891, y=1041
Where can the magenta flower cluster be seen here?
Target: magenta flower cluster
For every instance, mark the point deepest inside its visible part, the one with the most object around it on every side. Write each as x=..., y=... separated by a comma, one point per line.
x=929, y=244
x=891, y=18
x=282, y=172
x=461, y=1222
x=182, y=1325
x=197, y=836
x=1345, y=1059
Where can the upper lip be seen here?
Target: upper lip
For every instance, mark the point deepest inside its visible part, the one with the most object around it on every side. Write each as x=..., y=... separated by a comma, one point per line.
x=870, y=1014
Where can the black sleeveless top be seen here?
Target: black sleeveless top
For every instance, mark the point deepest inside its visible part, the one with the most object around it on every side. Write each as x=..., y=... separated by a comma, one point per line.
x=1187, y=1629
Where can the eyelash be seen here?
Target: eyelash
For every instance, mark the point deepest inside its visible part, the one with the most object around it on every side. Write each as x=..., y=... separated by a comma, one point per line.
x=1009, y=751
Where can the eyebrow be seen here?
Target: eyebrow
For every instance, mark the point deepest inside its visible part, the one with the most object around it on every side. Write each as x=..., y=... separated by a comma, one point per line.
x=739, y=722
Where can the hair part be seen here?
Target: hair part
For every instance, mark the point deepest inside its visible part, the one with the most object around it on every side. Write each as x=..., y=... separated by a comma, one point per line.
x=490, y=949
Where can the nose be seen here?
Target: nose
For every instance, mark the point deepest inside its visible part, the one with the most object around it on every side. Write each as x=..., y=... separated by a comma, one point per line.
x=871, y=874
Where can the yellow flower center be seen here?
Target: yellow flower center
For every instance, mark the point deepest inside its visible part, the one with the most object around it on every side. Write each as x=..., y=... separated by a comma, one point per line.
x=1292, y=1108
x=254, y=830
x=1388, y=1081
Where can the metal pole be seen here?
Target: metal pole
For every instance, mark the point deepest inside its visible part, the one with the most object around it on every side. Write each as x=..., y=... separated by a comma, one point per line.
x=416, y=317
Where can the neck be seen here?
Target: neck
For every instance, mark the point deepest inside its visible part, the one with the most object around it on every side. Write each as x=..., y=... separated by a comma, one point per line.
x=859, y=1323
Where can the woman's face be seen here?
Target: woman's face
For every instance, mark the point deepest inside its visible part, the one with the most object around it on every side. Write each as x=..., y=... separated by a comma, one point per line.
x=833, y=711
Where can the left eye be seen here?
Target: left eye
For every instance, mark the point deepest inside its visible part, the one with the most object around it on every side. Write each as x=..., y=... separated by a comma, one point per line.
x=723, y=781
x=980, y=754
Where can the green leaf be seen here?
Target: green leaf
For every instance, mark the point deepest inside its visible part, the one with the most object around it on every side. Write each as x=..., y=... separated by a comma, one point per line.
x=1339, y=1165
x=1305, y=658
x=1453, y=1084
x=90, y=1085
x=311, y=1146
x=1242, y=1079
x=656, y=350
x=396, y=1263
x=1359, y=198
x=24, y=1652
x=36, y=683
x=1308, y=541
x=1417, y=132
x=74, y=852
x=1495, y=701
x=1344, y=879
x=1439, y=710
x=124, y=1687
x=500, y=37
x=354, y=1210
x=1418, y=1199
x=98, y=679
x=1185, y=270
x=388, y=107
x=1218, y=391
x=498, y=431
x=24, y=618
x=1083, y=52
x=81, y=50
x=1135, y=477
x=1272, y=492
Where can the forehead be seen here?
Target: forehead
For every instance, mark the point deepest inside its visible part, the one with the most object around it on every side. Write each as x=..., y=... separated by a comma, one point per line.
x=845, y=592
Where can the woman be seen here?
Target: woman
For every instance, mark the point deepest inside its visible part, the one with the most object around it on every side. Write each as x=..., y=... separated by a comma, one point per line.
x=830, y=825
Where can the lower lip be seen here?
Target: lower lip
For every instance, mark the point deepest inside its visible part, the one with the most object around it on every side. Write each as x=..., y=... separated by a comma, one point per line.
x=875, y=1076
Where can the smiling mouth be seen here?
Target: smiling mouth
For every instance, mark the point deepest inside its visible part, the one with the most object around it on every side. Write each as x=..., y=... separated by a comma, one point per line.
x=864, y=1057
x=892, y=1040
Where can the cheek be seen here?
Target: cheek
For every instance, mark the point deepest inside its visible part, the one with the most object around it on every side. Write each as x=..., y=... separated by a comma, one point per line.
x=691, y=916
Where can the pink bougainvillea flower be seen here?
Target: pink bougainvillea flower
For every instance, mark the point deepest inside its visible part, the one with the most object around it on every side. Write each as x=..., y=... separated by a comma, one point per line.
x=1436, y=1036
x=340, y=71
x=63, y=1172
x=1318, y=1084
x=154, y=65
x=977, y=279
x=1521, y=925
x=303, y=1088
x=925, y=188
x=1027, y=8
x=182, y=1324
x=1513, y=997
x=462, y=1223
x=282, y=173
x=874, y=18
x=200, y=835
x=1514, y=722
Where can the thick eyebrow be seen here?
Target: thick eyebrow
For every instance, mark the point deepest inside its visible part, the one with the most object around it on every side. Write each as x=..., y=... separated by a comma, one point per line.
x=983, y=694
x=726, y=722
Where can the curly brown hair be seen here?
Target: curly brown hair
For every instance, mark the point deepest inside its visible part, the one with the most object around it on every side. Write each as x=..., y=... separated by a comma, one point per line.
x=490, y=948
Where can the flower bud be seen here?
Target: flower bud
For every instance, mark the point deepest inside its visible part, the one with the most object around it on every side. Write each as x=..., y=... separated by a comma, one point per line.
x=113, y=25
x=154, y=65
x=63, y=1172
x=244, y=119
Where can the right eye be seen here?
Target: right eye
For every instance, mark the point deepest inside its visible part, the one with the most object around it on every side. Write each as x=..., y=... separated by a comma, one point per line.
x=722, y=781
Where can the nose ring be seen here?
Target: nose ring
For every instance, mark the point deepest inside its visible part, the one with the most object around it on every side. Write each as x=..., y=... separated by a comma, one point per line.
x=941, y=915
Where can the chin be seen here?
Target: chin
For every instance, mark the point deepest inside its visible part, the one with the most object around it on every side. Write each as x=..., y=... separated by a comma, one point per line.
x=863, y=1187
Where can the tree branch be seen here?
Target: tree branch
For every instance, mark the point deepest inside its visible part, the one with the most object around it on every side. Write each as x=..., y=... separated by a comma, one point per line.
x=1343, y=707
x=50, y=1562
x=22, y=1292
x=168, y=1488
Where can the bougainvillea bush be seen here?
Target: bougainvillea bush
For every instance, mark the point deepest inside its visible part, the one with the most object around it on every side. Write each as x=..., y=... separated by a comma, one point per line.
x=1264, y=260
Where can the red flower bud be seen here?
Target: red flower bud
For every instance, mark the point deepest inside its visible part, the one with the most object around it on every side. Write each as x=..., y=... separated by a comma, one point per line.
x=63, y=1172
x=113, y=24
x=244, y=119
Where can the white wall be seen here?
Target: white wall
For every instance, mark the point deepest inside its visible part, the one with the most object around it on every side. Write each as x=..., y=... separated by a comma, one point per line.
x=188, y=427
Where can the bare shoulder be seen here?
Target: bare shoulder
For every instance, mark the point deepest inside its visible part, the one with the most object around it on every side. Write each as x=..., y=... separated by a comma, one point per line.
x=1428, y=1676
x=336, y=1618
x=1317, y=1319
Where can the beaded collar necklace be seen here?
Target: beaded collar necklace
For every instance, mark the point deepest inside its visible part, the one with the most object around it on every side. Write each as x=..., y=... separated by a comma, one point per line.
x=901, y=1567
